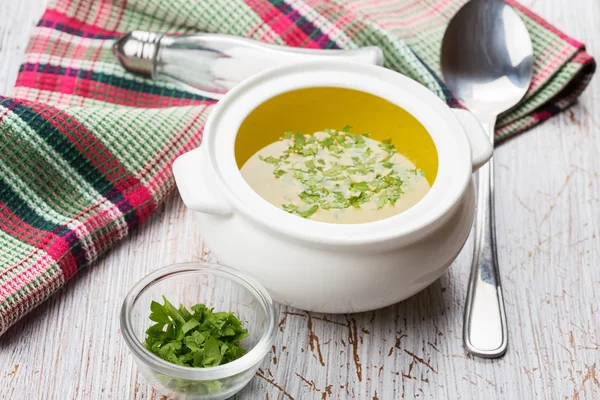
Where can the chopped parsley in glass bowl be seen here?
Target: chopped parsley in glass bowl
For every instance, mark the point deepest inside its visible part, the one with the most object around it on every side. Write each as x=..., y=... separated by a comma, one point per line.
x=198, y=330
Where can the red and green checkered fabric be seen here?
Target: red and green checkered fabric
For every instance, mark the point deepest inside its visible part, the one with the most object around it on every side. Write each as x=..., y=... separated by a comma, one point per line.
x=86, y=148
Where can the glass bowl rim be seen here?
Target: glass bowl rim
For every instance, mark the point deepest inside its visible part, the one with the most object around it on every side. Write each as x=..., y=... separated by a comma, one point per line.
x=247, y=361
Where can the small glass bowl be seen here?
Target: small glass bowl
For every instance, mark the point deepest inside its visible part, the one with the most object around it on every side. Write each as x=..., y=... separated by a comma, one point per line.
x=224, y=289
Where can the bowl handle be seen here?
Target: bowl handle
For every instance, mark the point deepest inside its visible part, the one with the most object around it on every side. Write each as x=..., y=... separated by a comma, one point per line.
x=481, y=146
x=192, y=178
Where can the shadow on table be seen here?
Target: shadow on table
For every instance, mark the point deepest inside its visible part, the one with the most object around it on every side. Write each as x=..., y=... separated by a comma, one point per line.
x=430, y=306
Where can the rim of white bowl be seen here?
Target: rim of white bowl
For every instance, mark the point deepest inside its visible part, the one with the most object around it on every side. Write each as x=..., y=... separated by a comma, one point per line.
x=244, y=363
x=452, y=145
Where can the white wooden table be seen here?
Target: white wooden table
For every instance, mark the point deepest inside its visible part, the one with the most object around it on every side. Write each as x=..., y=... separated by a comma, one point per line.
x=548, y=207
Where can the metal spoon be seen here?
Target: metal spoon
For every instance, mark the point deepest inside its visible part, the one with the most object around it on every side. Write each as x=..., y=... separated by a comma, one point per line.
x=486, y=60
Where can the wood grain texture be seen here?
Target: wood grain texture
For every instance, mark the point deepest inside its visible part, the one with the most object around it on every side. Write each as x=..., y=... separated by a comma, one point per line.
x=16, y=20
x=548, y=207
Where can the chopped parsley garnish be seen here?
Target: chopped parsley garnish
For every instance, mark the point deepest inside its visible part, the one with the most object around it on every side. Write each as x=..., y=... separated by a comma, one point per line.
x=309, y=212
x=198, y=337
x=331, y=181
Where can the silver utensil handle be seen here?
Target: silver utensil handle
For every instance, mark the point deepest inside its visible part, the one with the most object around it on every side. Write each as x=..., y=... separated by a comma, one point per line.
x=485, y=330
x=212, y=64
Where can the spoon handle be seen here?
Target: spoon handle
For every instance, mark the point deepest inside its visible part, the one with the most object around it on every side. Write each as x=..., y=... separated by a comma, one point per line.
x=485, y=331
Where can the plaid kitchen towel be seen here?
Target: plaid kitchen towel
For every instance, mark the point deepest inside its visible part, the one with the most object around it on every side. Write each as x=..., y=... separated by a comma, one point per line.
x=86, y=148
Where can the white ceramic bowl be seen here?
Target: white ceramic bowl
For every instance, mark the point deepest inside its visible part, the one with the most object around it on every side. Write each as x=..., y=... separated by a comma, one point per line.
x=326, y=267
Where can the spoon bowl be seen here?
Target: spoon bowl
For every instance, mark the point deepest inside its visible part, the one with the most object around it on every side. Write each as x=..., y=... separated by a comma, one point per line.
x=487, y=57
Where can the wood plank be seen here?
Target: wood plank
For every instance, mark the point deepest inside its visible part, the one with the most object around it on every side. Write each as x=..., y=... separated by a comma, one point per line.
x=548, y=207
x=16, y=20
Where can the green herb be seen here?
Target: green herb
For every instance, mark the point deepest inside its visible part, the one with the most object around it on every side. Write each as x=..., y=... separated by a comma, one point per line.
x=359, y=141
x=289, y=207
x=299, y=141
x=309, y=197
x=382, y=201
x=360, y=186
x=388, y=147
x=357, y=201
x=335, y=170
x=313, y=181
x=308, y=213
x=330, y=182
x=299, y=175
x=270, y=160
x=198, y=338
x=339, y=196
x=417, y=172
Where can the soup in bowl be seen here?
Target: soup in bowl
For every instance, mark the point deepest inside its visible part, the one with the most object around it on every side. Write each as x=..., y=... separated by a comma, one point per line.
x=357, y=158
x=340, y=187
